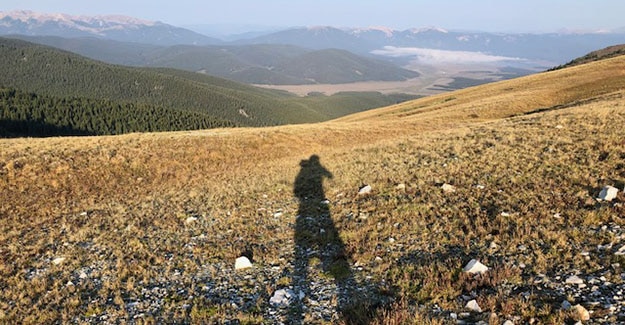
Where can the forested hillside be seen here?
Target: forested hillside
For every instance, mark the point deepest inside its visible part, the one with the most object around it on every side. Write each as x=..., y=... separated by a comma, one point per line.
x=130, y=98
x=29, y=114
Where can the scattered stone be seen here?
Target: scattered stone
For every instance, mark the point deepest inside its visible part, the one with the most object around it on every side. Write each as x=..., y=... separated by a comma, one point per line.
x=475, y=267
x=493, y=245
x=58, y=260
x=400, y=187
x=608, y=193
x=480, y=187
x=277, y=214
x=69, y=283
x=190, y=220
x=365, y=190
x=566, y=305
x=505, y=214
x=242, y=263
x=282, y=298
x=473, y=306
x=448, y=188
x=559, y=126
x=508, y=322
x=620, y=251
x=582, y=312
x=574, y=279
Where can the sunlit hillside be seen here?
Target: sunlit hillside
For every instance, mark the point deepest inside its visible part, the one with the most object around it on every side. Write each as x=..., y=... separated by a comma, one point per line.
x=146, y=228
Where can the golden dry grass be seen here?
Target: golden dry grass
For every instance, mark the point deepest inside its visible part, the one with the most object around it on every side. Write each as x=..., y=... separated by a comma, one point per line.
x=120, y=202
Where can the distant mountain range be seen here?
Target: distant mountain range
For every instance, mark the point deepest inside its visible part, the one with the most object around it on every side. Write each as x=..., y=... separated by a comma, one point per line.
x=119, y=28
x=555, y=48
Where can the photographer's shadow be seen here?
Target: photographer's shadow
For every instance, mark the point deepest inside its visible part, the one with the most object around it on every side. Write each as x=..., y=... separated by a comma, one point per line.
x=316, y=237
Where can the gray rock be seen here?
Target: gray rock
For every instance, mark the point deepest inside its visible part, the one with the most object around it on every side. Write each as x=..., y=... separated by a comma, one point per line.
x=282, y=298
x=566, y=305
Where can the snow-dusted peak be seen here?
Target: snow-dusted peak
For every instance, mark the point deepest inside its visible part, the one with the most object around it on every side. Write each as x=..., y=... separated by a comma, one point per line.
x=124, y=20
x=389, y=32
x=319, y=28
x=428, y=29
x=41, y=18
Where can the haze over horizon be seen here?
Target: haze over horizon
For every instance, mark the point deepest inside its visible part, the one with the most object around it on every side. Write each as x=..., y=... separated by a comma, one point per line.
x=479, y=15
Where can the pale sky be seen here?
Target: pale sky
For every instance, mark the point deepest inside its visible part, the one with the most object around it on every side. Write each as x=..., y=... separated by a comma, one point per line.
x=482, y=15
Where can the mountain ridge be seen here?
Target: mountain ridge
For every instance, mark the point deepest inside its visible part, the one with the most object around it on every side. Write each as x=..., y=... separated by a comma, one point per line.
x=116, y=27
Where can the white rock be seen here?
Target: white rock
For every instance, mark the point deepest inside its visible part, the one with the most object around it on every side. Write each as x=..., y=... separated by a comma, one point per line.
x=69, y=283
x=242, y=263
x=473, y=306
x=475, y=267
x=448, y=188
x=620, y=251
x=508, y=322
x=277, y=214
x=608, y=193
x=400, y=187
x=582, y=312
x=190, y=220
x=282, y=297
x=574, y=279
x=58, y=260
x=365, y=190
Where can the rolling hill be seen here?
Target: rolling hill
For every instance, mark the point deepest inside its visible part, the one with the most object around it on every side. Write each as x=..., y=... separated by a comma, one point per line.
x=147, y=227
x=269, y=64
x=56, y=76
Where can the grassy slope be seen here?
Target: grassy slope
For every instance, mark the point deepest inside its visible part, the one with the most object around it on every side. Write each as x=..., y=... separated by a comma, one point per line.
x=139, y=188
